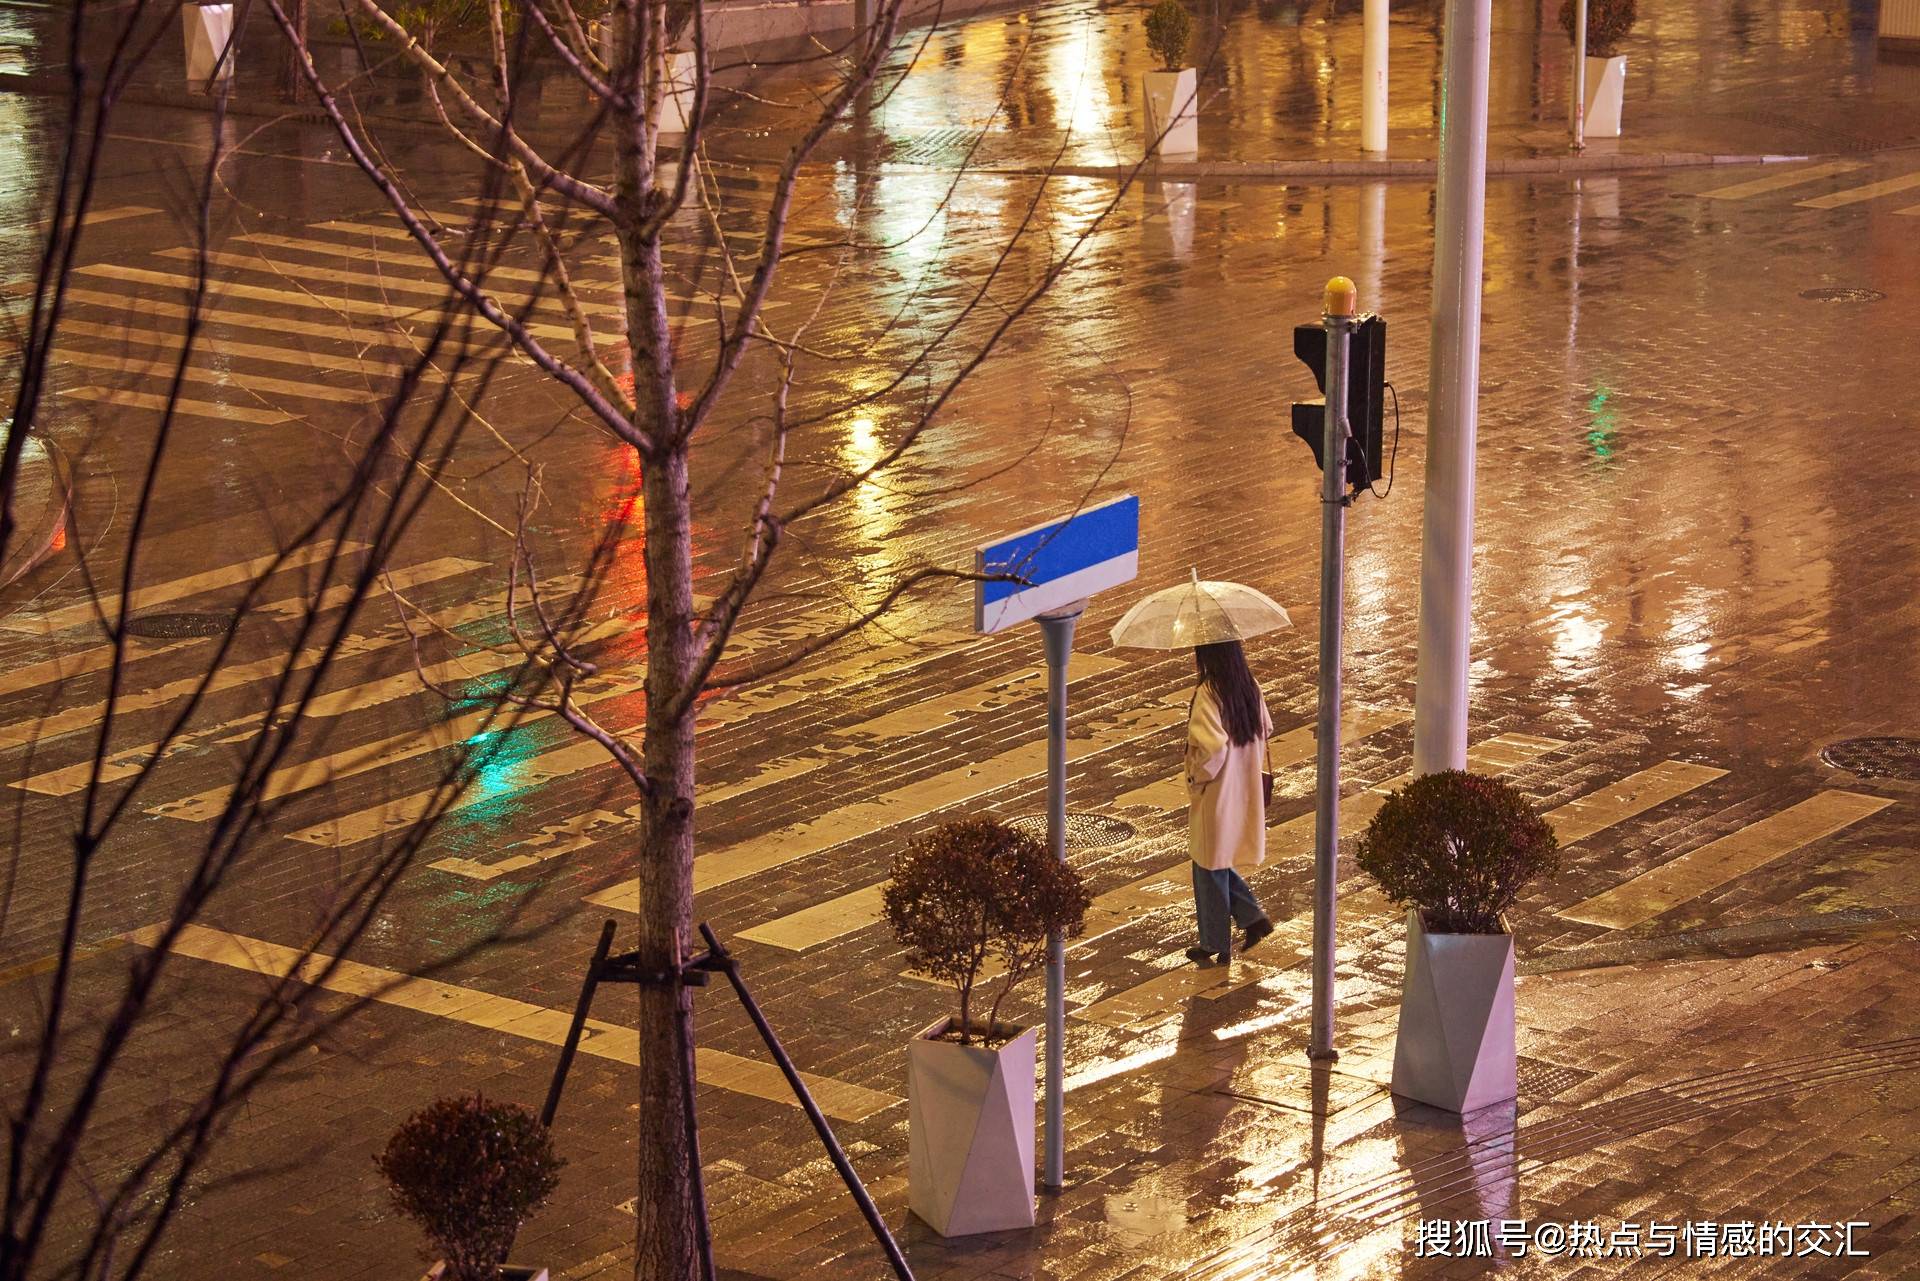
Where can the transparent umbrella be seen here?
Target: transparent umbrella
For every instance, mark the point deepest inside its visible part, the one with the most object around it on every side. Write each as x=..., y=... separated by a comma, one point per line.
x=1199, y=613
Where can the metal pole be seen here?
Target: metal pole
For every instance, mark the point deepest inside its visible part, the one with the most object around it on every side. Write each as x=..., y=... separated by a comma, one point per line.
x=1338, y=317
x=580, y=1009
x=1579, y=75
x=1453, y=379
x=1057, y=628
x=720, y=959
x=1373, y=76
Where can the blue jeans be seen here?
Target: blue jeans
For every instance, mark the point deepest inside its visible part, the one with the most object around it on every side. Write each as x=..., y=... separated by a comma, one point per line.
x=1220, y=901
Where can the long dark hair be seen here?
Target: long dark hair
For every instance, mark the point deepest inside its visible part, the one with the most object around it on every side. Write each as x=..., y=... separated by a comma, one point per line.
x=1223, y=669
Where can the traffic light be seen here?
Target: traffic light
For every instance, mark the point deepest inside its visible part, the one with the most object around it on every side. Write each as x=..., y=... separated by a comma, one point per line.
x=1366, y=393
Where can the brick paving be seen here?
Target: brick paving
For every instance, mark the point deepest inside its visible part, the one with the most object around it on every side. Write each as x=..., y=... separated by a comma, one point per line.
x=1678, y=563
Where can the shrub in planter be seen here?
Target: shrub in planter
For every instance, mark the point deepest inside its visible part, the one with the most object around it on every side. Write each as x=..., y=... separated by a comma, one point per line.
x=1457, y=849
x=961, y=896
x=976, y=890
x=469, y=1171
x=1608, y=22
x=1168, y=30
x=1460, y=848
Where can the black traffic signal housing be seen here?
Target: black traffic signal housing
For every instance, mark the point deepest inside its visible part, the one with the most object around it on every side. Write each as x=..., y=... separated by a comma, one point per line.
x=1366, y=395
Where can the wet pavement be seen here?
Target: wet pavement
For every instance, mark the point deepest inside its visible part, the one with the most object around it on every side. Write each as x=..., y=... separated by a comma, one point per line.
x=1697, y=569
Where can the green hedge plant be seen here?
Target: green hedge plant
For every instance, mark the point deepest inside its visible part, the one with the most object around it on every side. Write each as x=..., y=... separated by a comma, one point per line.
x=1168, y=30
x=469, y=1171
x=1460, y=847
x=1608, y=22
x=976, y=891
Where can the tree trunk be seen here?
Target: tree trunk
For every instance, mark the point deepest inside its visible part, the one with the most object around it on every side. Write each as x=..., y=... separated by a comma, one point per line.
x=665, y=1244
x=293, y=84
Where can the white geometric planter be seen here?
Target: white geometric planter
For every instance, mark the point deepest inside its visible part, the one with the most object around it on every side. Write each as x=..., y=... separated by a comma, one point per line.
x=1606, y=89
x=1173, y=106
x=682, y=74
x=970, y=1133
x=205, y=30
x=1455, y=1045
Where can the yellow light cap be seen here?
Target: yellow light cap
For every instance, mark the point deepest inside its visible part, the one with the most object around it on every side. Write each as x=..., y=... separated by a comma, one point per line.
x=1341, y=298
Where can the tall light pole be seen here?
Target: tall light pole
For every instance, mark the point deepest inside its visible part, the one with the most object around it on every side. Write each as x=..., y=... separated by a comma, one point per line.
x=1577, y=110
x=1453, y=382
x=1373, y=76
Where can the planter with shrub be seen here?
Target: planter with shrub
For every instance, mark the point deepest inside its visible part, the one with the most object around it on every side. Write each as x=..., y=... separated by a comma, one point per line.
x=964, y=899
x=469, y=1171
x=1608, y=22
x=1173, y=120
x=1457, y=849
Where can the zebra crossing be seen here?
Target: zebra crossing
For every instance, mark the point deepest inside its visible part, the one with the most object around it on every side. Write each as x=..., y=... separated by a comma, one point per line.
x=344, y=301
x=1786, y=183
x=1137, y=1002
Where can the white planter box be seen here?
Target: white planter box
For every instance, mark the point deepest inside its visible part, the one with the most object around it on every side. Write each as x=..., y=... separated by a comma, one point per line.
x=1455, y=1045
x=1900, y=23
x=681, y=74
x=1173, y=109
x=970, y=1133
x=1606, y=86
x=205, y=30
x=508, y=1272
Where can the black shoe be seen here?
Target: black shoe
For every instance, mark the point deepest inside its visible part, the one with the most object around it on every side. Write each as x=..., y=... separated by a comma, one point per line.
x=1203, y=958
x=1255, y=932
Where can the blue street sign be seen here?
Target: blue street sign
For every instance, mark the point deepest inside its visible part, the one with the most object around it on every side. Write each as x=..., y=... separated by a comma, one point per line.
x=1062, y=561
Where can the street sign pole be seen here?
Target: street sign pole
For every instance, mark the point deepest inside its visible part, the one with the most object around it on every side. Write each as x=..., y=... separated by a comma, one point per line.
x=1339, y=312
x=1046, y=573
x=1057, y=628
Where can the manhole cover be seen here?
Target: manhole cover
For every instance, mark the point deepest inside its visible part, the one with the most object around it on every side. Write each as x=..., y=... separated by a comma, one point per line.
x=1876, y=757
x=1541, y=1080
x=1842, y=295
x=175, y=626
x=1084, y=831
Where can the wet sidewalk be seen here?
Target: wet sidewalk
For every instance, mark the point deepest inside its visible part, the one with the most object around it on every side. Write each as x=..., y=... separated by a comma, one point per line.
x=1042, y=86
x=1279, y=86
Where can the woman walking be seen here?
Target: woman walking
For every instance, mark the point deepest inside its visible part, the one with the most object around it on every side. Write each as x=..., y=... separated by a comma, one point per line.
x=1227, y=729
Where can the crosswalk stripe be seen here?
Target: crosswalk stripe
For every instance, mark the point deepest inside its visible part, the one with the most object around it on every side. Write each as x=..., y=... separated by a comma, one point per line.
x=941, y=709
x=246, y=350
x=163, y=367
x=300, y=244
x=1855, y=195
x=222, y=290
x=177, y=588
x=1911, y=211
x=575, y=757
x=713, y=1068
x=1780, y=181
x=1635, y=794
x=1663, y=888
x=902, y=805
x=94, y=217
x=337, y=331
x=432, y=288
x=121, y=398
x=230, y=676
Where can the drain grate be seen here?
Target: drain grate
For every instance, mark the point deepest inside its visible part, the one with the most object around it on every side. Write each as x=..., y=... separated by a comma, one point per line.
x=1890, y=757
x=1842, y=295
x=1541, y=1080
x=177, y=626
x=1084, y=831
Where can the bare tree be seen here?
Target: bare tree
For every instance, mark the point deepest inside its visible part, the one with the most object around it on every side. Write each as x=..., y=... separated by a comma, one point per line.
x=82, y=1198
x=657, y=380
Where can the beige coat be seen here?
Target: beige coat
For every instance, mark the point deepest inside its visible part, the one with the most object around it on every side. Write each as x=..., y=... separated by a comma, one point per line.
x=1226, y=810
